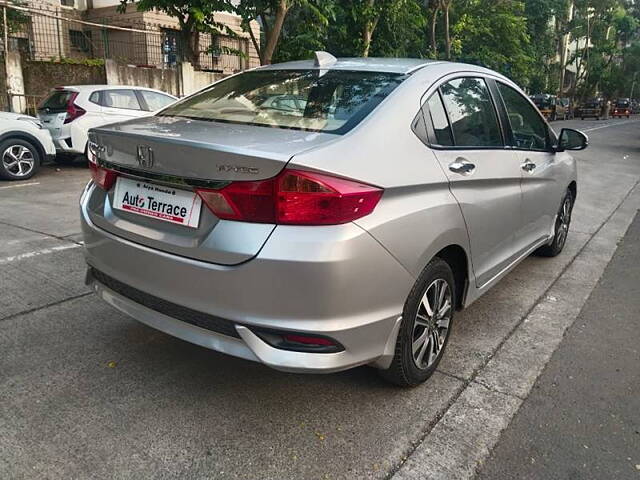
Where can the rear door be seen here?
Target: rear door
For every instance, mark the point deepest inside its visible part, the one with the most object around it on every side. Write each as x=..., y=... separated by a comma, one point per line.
x=484, y=176
x=531, y=139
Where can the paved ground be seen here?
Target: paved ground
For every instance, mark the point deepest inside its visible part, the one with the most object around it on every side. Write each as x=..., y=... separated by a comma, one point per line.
x=582, y=419
x=86, y=392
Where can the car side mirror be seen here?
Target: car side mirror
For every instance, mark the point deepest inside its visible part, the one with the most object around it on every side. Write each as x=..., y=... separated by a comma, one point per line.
x=571, y=139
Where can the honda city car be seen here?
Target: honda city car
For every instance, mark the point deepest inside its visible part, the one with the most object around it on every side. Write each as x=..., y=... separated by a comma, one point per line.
x=343, y=230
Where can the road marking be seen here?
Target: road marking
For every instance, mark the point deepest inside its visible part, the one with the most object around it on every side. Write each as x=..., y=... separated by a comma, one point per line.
x=610, y=125
x=37, y=253
x=20, y=185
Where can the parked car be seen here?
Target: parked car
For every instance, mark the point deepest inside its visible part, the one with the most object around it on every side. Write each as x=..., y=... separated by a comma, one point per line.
x=591, y=108
x=622, y=108
x=24, y=144
x=345, y=235
x=551, y=107
x=69, y=112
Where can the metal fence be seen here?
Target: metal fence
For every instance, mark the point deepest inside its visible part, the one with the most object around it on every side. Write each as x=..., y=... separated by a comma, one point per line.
x=27, y=104
x=54, y=33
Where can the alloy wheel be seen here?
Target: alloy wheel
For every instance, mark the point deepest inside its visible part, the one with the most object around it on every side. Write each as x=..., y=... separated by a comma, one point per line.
x=18, y=160
x=431, y=324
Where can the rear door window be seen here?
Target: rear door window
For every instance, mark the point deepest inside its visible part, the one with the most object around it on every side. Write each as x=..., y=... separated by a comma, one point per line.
x=125, y=99
x=154, y=100
x=95, y=98
x=438, y=117
x=471, y=113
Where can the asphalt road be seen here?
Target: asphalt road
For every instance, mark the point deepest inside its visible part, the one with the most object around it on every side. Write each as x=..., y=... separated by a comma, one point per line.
x=86, y=392
x=582, y=419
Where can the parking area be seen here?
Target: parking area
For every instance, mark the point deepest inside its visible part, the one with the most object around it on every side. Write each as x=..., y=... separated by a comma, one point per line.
x=86, y=392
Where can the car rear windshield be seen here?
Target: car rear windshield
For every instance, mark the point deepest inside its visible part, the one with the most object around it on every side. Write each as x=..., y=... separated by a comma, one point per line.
x=331, y=101
x=56, y=101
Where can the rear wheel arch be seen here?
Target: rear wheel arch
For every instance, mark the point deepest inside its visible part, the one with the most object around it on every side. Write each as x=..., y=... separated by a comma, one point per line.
x=456, y=258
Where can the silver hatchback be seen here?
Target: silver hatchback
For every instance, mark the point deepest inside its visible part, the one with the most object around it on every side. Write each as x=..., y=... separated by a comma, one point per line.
x=319, y=215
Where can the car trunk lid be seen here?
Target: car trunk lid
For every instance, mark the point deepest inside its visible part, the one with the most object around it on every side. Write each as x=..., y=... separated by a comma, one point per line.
x=177, y=155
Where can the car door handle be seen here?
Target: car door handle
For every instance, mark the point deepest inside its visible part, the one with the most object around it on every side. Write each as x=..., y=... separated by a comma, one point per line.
x=462, y=166
x=528, y=166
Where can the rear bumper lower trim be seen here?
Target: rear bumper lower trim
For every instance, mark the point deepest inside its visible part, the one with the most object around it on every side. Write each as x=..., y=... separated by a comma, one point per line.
x=184, y=314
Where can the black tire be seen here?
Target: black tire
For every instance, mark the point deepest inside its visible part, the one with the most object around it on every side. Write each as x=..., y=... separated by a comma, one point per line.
x=563, y=221
x=582, y=118
x=404, y=370
x=29, y=156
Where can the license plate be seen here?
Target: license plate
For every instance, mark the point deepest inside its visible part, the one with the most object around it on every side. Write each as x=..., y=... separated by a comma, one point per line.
x=169, y=204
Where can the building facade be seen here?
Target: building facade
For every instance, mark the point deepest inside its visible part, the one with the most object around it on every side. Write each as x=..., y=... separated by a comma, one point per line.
x=94, y=29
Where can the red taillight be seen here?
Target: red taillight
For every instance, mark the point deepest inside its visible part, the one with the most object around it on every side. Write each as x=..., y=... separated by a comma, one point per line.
x=102, y=177
x=294, y=198
x=73, y=110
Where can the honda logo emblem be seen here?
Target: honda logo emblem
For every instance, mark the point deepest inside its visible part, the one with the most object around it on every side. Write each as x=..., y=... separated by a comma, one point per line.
x=144, y=155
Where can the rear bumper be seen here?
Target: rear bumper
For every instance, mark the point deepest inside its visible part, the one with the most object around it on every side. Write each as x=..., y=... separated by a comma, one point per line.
x=72, y=139
x=65, y=145
x=333, y=281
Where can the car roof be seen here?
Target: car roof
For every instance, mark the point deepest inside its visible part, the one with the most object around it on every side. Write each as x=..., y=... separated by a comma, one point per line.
x=89, y=88
x=369, y=64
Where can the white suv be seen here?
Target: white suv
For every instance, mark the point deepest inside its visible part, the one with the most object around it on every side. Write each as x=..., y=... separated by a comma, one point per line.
x=69, y=112
x=24, y=144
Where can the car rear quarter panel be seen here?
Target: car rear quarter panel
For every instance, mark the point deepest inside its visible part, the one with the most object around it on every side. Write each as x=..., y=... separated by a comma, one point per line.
x=417, y=215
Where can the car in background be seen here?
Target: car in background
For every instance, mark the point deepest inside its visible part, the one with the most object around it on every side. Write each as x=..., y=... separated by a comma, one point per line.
x=551, y=107
x=24, y=144
x=69, y=112
x=622, y=108
x=344, y=233
x=591, y=108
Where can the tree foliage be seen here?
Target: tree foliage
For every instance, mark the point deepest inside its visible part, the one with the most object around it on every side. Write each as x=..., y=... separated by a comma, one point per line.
x=16, y=20
x=535, y=42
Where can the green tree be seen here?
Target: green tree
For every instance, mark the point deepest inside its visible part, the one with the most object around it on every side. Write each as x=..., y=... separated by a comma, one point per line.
x=271, y=15
x=16, y=20
x=546, y=28
x=605, y=29
x=306, y=30
x=402, y=32
x=493, y=34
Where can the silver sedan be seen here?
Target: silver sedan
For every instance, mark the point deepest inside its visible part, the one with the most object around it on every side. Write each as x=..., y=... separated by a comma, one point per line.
x=344, y=228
